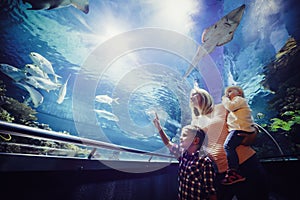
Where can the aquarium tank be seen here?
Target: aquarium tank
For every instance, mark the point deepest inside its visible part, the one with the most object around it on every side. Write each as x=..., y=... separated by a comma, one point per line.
x=101, y=70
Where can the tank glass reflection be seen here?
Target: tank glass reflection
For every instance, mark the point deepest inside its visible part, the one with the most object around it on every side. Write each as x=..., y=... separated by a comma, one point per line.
x=102, y=69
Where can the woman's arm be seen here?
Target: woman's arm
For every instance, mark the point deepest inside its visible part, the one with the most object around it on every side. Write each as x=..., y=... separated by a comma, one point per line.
x=249, y=139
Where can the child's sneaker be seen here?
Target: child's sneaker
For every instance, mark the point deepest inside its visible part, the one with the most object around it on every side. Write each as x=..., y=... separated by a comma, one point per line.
x=231, y=177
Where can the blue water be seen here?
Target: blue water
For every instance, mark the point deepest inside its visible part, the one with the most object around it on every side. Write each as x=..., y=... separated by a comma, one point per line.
x=142, y=79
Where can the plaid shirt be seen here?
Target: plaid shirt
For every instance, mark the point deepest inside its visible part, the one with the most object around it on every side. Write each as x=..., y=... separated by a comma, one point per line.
x=196, y=176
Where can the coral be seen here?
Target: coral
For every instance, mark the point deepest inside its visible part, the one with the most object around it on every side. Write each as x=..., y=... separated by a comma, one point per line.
x=12, y=110
x=22, y=113
x=282, y=77
x=291, y=118
x=5, y=116
x=283, y=71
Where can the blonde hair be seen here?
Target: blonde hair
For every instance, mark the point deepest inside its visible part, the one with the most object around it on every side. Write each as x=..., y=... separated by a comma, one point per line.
x=238, y=88
x=205, y=105
x=198, y=132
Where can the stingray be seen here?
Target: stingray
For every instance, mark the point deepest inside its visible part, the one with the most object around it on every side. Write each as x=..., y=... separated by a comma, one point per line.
x=218, y=34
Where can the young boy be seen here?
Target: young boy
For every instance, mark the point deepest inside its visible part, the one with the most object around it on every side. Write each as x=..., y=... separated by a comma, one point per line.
x=239, y=120
x=196, y=174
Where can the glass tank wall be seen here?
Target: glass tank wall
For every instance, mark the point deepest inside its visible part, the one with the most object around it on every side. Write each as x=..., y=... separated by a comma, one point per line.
x=102, y=69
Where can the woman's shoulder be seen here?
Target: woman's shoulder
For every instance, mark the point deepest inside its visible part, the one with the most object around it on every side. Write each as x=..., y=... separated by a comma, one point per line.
x=219, y=109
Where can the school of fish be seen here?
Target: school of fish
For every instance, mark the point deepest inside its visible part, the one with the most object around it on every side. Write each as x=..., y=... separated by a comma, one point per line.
x=40, y=75
x=105, y=99
x=35, y=77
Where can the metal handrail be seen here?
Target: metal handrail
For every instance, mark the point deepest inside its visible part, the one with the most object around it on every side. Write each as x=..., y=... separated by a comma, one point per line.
x=272, y=138
x=22, y=130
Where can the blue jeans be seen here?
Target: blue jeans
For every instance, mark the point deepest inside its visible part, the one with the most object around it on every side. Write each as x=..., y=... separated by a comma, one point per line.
x=255, y=187
x=232, y=141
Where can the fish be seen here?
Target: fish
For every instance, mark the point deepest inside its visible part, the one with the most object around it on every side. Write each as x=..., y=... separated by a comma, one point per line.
x=44, y=64
x=107, y=115
x=42, y=83
x=106, y=99
x=14, y=73
x=63, y=91
x=260, y=115
x=218, y=34
x=82, y=5
x=35, y=96
x=34, y=70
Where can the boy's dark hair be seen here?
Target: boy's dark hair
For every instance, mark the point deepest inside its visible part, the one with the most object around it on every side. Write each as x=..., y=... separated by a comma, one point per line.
x=201, y=135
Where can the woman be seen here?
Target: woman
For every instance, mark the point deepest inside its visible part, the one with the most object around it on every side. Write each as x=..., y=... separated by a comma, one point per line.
x=212, y=119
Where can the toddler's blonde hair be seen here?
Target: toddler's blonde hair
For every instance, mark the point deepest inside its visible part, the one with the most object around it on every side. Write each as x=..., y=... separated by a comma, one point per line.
x=238, y=88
